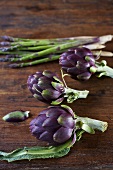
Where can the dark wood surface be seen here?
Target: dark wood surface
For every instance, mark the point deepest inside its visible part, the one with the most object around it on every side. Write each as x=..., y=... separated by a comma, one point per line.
x=48, y=19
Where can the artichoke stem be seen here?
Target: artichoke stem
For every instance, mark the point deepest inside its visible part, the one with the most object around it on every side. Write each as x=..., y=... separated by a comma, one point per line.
x=92, y=124
x=104, y=69
x=72, y=94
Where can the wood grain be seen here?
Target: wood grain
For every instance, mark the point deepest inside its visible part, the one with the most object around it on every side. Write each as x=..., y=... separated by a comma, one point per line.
x=49, y=19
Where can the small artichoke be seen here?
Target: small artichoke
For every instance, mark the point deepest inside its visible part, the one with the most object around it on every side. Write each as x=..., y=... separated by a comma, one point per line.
x=58, y=124
x=48, y=88
x=54, y=125
x=78, y=62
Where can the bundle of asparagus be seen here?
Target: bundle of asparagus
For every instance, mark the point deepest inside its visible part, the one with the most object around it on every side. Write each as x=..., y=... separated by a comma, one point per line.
x=28, y=52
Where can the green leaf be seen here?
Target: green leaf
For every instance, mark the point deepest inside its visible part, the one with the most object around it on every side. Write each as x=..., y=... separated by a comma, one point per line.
x=36, y=152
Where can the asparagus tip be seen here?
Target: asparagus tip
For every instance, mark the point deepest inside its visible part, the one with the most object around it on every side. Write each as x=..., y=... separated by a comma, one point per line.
x=7, y=38
x=4, y=43
x=15, y=65
x=4, y=59
x=4, y=49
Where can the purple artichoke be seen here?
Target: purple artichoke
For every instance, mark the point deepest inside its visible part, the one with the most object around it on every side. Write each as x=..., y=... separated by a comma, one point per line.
x=48, y=88
x=54, y=125
x=58, y=124
x=78, y=62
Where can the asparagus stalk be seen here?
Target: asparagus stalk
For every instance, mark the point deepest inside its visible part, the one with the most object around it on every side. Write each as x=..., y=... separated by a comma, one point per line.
x=23, y=53
x=53, y=58
x=57, y=42
x=53, y=50
x=12, y=39
x=36, y=48
x=103, y=53
x=14, y=52
x=103, y=39
x=41, y=42
x=94, y=46
x=21, y=49
x=39, y=61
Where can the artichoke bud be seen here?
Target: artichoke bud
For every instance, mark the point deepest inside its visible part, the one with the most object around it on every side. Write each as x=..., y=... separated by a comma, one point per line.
x=57, y=124
x=80, y=63
x=48, y=88
x=77, y=62
x=54, y=125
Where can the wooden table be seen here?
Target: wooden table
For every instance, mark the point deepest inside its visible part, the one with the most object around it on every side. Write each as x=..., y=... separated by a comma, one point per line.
x=49, y=19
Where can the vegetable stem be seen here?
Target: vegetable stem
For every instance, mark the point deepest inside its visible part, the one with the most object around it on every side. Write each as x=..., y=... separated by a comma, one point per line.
x=93, y=123
x=37, y=152
x=103, y=69
x=72, y=94
x=39, y=61
x=28, y=49
x=54, y=49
